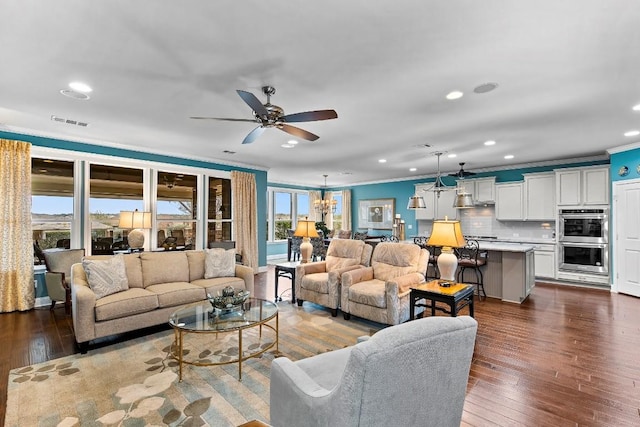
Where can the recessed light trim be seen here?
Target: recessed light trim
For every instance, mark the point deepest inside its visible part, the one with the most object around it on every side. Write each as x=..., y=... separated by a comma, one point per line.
x=490, y=142
x=509, y=156
x=74, y=94
x=80, y=87
x=632, y=133
x=455, y=94
x=413, y=169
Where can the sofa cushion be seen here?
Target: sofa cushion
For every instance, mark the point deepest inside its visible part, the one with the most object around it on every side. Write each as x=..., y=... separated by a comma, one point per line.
x=196, y=264
x=370, y=292
x=164, y=267
x=106, y=277
x=219, y=262
x=176, y=293
x=214, y=286
x=132, y=267
x=125, y=303
x=316, y=282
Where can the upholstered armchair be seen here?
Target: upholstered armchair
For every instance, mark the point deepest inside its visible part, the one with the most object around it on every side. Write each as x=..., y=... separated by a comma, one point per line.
x=381, y=292
x=319, y=282
x=58, y=275
x=414, y=374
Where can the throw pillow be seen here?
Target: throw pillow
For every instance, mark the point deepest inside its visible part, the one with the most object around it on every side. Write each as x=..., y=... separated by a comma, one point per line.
x=106, y=277
x=219, y=262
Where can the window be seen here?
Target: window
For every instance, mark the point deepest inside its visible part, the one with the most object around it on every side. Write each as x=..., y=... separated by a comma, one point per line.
x=219, y=213
x=286, y=207
x=112, y=189
x=176, y=219
x=52, y=200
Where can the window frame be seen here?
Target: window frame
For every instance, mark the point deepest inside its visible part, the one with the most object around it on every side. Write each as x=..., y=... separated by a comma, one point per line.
x=294, y=209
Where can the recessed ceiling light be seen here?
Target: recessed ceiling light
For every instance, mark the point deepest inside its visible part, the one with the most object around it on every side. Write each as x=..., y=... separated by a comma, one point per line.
x=292, y=142
x=287, y=146
x=485, y=87
x=412, y=169
x=490, y=142
x=382, y=161
x=636, y=107
x=452, y=155
x=632, y=133
x=509, y=156
x=454, y=95
x=80, y=87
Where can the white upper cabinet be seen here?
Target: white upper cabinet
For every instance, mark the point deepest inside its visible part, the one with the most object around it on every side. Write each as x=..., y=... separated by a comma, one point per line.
x=482, y=189
x=540, y=196
x=582, y=186
x=510, y=201
x=437, y=207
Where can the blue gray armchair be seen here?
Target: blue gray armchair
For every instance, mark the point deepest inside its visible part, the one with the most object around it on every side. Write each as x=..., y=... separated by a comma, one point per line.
x=412, y=374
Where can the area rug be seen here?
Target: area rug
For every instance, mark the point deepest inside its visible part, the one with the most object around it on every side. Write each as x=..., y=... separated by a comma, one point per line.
x=135, y=382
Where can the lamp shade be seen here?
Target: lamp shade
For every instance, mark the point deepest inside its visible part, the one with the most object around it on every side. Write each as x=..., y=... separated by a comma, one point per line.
x=306, y=228
x=463, y=201
x=135, y=219
x=416, y=202
x=446, y=233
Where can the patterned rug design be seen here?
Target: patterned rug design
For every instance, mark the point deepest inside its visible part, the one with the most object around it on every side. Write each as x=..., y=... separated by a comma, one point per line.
x=135, y=383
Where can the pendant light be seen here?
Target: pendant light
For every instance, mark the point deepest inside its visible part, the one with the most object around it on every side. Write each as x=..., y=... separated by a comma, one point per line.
x=417, y=202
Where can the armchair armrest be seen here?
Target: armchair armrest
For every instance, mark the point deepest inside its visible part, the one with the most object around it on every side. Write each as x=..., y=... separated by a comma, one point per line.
x=311, y=267
x=397, y=289
x=56, y=285
x=357, y=275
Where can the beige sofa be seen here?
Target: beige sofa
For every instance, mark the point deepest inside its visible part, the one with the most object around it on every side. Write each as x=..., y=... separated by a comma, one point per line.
x=158, y=283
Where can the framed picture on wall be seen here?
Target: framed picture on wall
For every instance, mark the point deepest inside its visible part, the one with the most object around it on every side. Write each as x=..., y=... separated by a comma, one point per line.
x=376, y=213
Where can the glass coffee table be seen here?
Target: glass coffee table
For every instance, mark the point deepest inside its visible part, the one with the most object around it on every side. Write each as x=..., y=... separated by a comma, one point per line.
x=202, y=318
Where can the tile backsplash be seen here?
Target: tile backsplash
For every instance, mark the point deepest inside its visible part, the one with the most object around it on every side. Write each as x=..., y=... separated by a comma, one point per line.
x=481, y=221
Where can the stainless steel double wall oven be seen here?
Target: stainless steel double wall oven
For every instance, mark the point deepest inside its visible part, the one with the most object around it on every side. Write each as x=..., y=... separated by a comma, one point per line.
x=584, y=240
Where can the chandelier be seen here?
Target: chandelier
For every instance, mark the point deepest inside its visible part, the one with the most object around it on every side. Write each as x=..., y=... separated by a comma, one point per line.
x=324, y=206
x=417, y=201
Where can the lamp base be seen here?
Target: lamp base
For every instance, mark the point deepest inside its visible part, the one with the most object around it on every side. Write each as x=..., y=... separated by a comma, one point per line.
x=306, y=249
x=136, y=239
x=447, y=264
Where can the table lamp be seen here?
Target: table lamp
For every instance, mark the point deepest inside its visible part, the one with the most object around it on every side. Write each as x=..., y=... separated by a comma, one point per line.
x=135, y=221
x=306, y=229
x=448, y=235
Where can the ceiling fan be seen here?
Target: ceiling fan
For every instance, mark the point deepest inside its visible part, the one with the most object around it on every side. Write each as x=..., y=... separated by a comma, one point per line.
x=269, y=116
x=462, y=173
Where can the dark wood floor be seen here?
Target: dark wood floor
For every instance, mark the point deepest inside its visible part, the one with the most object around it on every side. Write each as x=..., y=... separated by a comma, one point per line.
x=566, y=357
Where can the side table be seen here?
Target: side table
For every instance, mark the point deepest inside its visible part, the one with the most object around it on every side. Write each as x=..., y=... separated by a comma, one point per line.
x=456, y=296
x=287, y=269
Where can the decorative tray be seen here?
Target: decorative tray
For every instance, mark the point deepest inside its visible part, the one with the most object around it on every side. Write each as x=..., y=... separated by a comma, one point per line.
x=228, y=300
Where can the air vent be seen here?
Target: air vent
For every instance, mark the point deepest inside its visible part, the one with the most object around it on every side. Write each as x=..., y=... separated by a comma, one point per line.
x=69, y=121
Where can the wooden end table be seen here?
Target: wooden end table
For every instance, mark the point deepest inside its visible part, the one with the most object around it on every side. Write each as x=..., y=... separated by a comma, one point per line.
x=456, y=296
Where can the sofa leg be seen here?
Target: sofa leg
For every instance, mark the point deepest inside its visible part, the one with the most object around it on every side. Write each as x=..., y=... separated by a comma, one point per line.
x=346, y=316
x=299, y=301
x=334, y=312
x=83, y=347
x=53, y=305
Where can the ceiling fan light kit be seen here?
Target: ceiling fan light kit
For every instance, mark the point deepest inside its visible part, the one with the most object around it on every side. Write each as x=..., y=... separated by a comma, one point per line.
x=272, y=116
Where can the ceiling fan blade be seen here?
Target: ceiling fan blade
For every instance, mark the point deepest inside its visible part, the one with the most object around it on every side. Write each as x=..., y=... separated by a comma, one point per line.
x=253, y=135
x=310, y=116
x=253, y=102
x=300, y=133
x=225, y=119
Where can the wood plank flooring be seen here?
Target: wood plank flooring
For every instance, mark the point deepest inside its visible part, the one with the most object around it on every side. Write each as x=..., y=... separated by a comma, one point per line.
x=568, y=356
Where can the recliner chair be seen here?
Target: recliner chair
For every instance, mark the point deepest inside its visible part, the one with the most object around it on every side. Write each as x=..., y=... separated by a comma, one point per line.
x=414, y=374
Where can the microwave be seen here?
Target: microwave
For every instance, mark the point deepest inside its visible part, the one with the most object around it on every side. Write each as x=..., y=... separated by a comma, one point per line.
x=583, y=225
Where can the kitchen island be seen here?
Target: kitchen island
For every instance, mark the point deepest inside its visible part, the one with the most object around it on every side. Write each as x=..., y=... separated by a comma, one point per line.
x=510, y=270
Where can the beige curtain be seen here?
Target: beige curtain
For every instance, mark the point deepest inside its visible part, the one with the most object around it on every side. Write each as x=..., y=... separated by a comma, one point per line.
x=313, y=196
x=346, y=210
x=245, y=217
x=16, y=251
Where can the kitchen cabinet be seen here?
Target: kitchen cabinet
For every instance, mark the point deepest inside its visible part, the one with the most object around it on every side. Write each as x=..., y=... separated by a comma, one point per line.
x=545, y=261
x=482, y=189
x=510, y=201
x=582, y=186
x=437, y=207
x=540, y=196
x=519, y=268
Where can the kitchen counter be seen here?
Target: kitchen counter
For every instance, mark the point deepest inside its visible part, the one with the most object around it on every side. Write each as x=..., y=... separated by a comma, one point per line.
x=493, y=245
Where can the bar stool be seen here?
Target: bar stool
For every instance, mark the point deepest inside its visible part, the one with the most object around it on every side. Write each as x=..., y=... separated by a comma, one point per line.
x=471, y=257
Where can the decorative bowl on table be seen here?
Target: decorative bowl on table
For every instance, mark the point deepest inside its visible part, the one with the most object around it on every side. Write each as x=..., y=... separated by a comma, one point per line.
x=228, y=299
